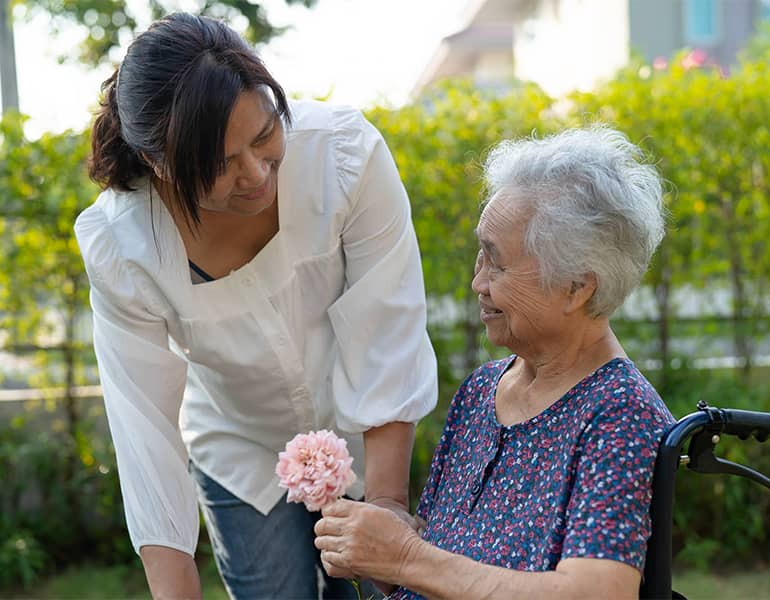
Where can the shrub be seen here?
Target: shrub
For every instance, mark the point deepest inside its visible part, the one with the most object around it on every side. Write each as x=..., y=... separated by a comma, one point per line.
x=40, y=526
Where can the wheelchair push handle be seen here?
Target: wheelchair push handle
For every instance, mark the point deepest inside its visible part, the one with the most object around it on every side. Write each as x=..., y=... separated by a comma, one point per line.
x=745, y=423
x=741, y=423
x=710, y=423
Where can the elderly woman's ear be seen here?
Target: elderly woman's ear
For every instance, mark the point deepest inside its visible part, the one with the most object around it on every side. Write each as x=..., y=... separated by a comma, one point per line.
x=580, y=293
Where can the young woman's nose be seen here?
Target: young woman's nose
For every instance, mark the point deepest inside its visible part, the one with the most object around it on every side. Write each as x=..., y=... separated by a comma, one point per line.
x=254, y=169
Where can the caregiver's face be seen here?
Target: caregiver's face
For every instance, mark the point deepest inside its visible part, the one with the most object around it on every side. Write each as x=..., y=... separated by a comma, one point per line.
x=254, y=148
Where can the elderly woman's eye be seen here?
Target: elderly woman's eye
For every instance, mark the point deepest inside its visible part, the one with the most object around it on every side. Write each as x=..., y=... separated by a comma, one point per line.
x=479, y=262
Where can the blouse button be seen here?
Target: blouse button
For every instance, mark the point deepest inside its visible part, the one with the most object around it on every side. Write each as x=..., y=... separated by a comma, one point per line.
x=476, y=489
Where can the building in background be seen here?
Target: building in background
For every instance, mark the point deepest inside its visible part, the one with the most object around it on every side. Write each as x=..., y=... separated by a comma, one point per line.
x=483, y=49
x=573, y=44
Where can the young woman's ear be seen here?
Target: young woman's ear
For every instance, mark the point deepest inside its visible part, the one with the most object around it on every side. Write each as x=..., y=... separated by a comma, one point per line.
x=580, y=292
x=156, y=168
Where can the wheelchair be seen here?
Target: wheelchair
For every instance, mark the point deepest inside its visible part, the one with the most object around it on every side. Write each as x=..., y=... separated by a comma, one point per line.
x=704, y=430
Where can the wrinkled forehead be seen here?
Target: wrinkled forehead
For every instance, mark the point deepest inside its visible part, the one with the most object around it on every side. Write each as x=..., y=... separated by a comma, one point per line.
x=507, y=211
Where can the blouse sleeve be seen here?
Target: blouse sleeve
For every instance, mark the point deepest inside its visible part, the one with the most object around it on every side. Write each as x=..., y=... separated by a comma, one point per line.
x=143, y=384
x=385, y=368
x=608, y=512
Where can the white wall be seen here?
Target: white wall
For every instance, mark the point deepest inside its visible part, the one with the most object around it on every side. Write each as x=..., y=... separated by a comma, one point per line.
x=493, y=67
x=572, y=44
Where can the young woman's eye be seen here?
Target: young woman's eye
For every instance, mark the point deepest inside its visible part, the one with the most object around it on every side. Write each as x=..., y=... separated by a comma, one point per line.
x=224, y=166
x=264, y=138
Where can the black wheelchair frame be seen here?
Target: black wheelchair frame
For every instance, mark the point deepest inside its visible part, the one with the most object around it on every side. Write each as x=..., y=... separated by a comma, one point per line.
x=704, y=429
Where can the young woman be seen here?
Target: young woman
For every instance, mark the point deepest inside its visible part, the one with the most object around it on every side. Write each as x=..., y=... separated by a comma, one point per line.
x=254, y=257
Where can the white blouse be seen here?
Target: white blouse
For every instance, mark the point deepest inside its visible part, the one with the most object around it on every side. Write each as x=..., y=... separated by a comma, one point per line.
x=324, y=328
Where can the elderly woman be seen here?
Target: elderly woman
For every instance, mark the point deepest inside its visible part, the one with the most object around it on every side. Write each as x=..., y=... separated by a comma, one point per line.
x=541, y=482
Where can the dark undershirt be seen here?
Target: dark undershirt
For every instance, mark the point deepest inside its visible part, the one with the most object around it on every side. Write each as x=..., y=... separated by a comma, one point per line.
x=198, y=275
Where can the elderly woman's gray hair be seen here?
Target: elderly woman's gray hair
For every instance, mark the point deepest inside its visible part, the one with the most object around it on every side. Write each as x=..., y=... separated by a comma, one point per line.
x=593, y=205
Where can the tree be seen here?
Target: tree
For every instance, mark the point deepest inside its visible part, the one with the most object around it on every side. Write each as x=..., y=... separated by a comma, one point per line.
x=7, y=59
x=109, y=23
x=43, y=284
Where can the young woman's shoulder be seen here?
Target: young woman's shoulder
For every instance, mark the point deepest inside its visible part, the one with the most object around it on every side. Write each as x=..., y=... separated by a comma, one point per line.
x=317, y=116
x=112, y=206
x=122, y=228
x=342, y=131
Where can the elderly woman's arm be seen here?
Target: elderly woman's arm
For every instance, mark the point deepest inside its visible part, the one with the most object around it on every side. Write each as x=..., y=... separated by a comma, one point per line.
x=373, y=542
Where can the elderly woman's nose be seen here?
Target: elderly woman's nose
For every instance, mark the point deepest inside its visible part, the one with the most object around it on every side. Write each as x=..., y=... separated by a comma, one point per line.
x=480, y=283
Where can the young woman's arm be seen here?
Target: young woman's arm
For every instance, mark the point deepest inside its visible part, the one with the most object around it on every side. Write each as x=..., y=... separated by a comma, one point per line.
x=388, y=454
x=143, y=384
x=384, y=368
x=170, y=573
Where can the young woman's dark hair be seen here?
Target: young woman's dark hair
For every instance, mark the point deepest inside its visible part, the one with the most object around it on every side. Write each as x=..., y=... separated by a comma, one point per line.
x=168, y=103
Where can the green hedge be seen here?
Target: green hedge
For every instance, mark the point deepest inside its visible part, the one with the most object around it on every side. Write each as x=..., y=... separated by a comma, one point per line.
x=707, y=132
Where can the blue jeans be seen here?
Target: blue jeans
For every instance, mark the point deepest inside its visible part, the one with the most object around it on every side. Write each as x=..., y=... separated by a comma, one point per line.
x=270, y=557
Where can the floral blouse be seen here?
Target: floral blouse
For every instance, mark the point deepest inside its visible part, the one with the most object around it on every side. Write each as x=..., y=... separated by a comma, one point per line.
x=574, y=481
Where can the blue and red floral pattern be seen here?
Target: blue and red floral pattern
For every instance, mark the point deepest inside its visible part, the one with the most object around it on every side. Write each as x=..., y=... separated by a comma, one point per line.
x=574, y=481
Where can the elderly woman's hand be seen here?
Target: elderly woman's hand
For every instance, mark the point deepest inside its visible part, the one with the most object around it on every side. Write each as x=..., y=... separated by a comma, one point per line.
x=365, y=539
x=400, y=510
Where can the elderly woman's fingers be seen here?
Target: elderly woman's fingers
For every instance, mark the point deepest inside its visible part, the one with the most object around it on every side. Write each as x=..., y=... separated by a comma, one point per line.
x=335, y=566
x=329, y=526
x=323, y=543
x=329, y=543
x=328, y=561
x=339, y=508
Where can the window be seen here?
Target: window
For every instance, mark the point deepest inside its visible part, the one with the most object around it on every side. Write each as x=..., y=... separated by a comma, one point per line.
x=702, y=21
x=764, y=10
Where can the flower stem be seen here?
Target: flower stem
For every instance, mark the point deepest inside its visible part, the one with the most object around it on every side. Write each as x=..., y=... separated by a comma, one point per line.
x=357, y=586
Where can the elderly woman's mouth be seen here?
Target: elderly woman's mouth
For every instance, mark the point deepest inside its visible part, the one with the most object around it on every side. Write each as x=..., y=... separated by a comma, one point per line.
x=487, y=312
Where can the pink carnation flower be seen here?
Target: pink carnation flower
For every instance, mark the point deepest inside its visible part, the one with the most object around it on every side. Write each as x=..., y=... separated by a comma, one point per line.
x=315, y=468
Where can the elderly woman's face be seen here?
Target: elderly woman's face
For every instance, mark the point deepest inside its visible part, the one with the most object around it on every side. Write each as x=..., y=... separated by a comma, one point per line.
x=515, y=309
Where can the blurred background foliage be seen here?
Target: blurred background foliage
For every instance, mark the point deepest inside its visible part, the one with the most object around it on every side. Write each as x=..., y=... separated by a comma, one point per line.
x=109, y=24
x=707, y=131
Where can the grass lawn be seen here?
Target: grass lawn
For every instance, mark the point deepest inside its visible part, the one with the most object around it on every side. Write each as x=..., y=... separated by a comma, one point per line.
x=738, y=586
x=124, y=582
x=112, y=583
